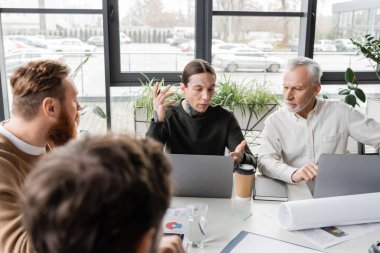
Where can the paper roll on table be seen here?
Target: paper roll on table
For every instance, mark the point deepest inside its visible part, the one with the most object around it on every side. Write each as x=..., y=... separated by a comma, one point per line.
x=333, y=211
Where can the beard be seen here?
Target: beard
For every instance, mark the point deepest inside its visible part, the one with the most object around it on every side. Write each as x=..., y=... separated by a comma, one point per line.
x=64, y=130
x=300, y=108
x=297, y=109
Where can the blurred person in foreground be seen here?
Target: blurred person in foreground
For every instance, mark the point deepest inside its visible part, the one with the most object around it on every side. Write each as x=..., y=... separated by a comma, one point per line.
x=100, y=194
x=45, y=110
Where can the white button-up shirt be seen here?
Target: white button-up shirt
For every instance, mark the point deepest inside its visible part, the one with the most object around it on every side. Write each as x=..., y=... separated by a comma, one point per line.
x=289, y=141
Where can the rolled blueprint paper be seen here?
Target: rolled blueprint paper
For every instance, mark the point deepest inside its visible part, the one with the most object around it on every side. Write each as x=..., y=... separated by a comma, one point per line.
x=333, y=211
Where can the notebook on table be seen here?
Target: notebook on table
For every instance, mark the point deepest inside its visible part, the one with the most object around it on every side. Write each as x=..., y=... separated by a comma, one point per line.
x=205, y=176
x=340, y=175
x=269, y=189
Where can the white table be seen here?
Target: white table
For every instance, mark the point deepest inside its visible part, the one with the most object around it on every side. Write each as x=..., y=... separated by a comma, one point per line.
x=227, y=217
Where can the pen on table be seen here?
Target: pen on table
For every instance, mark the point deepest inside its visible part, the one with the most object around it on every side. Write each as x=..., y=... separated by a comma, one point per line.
x=248, y=217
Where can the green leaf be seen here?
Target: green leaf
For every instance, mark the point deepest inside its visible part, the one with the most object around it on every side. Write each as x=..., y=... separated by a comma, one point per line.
x=99, y=112
x=94, y=109
x=350, y=99
x=324, y=96
x=360, y=95
x=344, y=92
x=78, y=68
x=350, y=76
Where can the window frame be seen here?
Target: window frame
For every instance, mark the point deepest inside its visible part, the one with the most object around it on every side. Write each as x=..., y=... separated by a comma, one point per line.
x=4, y=100
x=204, y=14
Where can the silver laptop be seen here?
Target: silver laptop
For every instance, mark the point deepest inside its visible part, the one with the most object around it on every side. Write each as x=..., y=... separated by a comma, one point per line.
x=340, y=175
x=202, y=175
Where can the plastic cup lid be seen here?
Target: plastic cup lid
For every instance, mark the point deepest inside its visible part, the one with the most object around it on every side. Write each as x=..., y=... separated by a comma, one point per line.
x=245, y=169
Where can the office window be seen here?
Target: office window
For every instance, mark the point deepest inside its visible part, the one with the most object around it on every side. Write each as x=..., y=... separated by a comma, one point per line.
x=67, y=4
x=254, y=47
x=361, y=18
x=377, y=17
x=332, y=46
x=252, y=5
x=74, y=39
x=345, y=19
x=156, y=35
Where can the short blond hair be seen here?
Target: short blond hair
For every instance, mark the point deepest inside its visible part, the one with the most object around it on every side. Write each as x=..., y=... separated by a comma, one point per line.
x=35, y=81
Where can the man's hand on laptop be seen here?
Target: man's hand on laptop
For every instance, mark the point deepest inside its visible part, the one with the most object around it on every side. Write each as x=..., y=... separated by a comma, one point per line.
x=307, y=173
x=238, y=154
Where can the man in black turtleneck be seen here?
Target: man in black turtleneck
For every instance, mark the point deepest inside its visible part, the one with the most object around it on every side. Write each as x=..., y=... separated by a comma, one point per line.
x=192, y=125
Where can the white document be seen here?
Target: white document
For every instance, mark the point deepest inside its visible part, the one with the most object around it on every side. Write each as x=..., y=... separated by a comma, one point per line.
x=261, y=244
x=175, y=220
x=333, y=211
x=329, y=236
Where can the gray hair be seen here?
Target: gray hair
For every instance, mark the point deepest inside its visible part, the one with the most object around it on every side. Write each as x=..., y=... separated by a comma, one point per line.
x=313, y=67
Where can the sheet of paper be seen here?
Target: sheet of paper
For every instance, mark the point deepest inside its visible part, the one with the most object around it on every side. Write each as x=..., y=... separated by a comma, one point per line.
x=329, y=236
x=261, y=244
x=175, y=220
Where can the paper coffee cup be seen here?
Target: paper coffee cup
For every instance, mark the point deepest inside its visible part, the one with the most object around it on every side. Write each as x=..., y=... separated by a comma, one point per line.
x=244, y=180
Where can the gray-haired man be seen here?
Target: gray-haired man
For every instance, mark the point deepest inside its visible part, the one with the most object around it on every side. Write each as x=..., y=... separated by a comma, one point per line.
x=296, y=135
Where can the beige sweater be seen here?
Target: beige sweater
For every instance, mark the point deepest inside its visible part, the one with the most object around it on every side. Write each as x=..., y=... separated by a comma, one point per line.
x=15, y=165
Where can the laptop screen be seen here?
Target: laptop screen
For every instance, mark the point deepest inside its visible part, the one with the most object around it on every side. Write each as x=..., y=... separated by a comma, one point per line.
x=202, y=175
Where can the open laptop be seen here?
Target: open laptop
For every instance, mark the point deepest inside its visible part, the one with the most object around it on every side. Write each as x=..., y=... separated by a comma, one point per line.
x=205, y=176
x=340, y=175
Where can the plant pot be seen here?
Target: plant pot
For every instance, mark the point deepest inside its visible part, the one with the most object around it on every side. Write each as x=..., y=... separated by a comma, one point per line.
x=141, y=114
x=142, y=121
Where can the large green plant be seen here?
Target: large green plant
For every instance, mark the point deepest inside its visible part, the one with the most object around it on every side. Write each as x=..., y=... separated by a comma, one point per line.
x=229, y=93
x=370, y=48
x=258, y=97
x=251, y=95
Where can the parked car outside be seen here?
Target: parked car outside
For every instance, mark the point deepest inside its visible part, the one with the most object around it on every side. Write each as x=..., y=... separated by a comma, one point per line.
x=261, y=45
x=248, y=59
x=99, y=40
x=179, y=40
x=69, y=45
x=96, y=41
x=22, y=56
x=324, y=46
x=11, y=45
x=169, y=40
x=225, y=48
x=190, y=45
x=26, y=39
x=344, y=45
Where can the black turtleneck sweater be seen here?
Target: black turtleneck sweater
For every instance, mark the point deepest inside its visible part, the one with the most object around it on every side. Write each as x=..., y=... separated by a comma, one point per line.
x=209, y=134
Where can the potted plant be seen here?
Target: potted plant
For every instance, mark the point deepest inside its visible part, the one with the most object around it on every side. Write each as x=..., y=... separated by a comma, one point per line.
x=370, y=48
x=251, y=102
